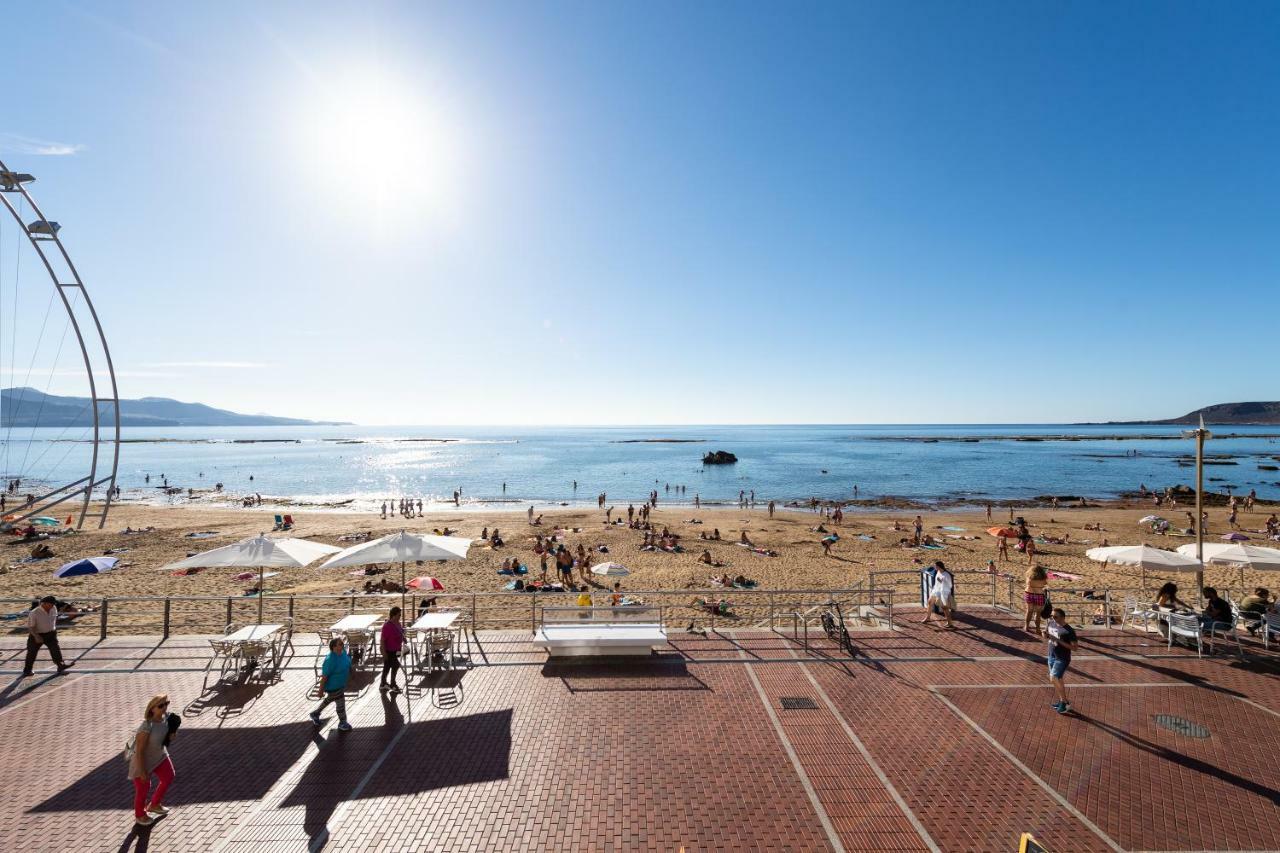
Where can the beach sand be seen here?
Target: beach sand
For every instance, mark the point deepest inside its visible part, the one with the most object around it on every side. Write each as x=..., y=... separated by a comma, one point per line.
x=800, y=563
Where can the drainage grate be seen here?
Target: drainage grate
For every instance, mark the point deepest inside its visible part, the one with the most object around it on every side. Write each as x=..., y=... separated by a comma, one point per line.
x=798, y=703
x=1181, y=726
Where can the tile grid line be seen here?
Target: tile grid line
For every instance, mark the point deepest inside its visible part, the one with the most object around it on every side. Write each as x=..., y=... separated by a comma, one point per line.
x=872, y=763
x=1030, y=774
x=823, y=817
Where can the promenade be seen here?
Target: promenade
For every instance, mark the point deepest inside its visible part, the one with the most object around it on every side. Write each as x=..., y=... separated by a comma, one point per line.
x=924, y=740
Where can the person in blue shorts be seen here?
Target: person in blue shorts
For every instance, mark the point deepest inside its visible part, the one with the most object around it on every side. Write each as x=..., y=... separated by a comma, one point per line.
x=1062, y=642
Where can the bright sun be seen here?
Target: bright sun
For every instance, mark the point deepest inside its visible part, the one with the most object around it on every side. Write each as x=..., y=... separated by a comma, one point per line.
x=380, y=142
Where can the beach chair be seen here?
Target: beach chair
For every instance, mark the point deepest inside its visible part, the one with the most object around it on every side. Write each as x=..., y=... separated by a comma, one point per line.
x=279, y=523
x=288, y=522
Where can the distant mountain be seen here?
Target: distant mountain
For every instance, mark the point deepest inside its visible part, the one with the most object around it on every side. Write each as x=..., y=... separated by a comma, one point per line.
x=1228, y=413
x=27, y=407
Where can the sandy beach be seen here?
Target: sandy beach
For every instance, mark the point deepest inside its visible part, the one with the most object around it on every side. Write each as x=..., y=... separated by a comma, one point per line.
x=868, y=543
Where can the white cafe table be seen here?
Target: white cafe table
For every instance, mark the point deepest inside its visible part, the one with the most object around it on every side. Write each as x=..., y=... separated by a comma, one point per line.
x=361, y=625
x=430, y=626
x=355, y=622
x=251, y=633
x=249, y=641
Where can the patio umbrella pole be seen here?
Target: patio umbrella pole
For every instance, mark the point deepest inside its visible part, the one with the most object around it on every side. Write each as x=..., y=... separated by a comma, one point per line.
x=261, y=591
x=1200, y=435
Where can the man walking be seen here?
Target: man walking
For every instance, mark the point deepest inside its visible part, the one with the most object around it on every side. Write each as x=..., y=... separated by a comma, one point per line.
x=42, y=630
x=1062, y=642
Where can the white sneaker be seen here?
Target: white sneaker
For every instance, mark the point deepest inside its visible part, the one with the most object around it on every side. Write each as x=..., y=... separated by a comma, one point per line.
x=144, y=821
x=157, y=810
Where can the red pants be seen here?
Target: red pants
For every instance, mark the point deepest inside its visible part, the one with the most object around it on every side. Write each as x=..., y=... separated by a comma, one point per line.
x=164, y=772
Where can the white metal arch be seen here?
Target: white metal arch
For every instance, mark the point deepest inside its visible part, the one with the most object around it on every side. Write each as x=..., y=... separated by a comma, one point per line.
x=104, y=463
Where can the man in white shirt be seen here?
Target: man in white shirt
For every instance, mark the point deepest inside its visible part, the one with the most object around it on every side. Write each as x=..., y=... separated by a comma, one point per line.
x=42, y=630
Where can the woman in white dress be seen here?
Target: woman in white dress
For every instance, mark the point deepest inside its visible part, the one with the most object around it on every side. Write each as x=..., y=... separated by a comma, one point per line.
x=941, y=594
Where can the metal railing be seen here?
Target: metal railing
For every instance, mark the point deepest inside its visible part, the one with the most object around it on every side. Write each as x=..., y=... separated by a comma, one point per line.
x=713, y=608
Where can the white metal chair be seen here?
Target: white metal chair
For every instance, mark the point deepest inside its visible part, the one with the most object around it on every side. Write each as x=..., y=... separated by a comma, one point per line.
x=1134, y=610
x=226, y=655
x=321, y=650
x=1270, y=626
x=1226, y=629
x=1187, y=626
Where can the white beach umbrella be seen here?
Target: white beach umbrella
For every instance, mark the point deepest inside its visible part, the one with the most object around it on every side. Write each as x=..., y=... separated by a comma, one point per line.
x=260, y=552
x=610, y=568
x=1145, y=557
x=1236, y=554
x=401, y=548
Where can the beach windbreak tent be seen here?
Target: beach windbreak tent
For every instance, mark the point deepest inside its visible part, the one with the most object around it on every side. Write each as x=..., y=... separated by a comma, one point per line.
x=1144, y=557
x=610, y=569
x=402, y=548
x=87, y=566
x=260, y=552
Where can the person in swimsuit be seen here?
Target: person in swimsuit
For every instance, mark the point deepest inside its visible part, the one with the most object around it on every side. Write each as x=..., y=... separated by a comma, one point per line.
x=1033, y=596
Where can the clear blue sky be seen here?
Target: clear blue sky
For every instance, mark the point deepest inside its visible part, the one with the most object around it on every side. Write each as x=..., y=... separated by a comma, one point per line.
x=665, y=212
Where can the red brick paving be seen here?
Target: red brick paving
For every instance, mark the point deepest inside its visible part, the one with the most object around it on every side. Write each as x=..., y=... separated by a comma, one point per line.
x=662, y=753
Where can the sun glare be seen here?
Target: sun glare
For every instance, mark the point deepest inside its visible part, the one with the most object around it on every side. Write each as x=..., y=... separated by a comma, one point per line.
x=379, y=141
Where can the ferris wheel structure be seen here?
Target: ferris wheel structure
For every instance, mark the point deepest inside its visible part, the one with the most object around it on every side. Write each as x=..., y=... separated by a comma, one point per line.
x=55, y=459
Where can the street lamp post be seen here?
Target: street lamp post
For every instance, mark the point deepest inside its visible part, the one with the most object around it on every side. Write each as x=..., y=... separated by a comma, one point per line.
x=1199, y=435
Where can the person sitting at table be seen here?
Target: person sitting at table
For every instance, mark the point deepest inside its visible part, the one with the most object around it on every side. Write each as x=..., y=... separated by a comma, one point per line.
x=1254, y=607
x=1217, y=611
x=1167, y=599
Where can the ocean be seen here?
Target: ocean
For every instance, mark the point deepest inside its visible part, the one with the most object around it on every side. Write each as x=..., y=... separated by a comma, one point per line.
x=950, y=464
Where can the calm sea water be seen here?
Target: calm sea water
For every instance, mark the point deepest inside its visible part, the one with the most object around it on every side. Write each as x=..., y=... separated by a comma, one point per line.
x=539, y=465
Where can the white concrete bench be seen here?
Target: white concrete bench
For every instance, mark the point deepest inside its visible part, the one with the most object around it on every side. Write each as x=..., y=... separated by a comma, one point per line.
x=597, y=638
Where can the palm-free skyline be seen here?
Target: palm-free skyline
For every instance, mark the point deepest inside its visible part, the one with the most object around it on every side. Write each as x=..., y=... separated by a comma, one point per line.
x=659, y=213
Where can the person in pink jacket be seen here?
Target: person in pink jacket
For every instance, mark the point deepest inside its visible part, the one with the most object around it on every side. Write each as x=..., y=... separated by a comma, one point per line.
x=392, y=644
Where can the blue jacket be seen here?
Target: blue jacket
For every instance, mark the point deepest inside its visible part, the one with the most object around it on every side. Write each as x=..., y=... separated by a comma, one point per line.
x=336, y=669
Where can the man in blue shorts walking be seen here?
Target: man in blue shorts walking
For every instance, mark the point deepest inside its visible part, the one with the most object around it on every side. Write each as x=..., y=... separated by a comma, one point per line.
x=1062, y=642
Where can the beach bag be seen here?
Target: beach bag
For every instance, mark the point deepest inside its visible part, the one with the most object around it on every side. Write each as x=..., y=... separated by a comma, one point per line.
x=1046, y=610
x=174, y=722
x=130, y=749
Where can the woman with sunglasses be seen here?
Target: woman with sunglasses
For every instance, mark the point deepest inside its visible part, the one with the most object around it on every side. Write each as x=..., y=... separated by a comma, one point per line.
x=151, y=757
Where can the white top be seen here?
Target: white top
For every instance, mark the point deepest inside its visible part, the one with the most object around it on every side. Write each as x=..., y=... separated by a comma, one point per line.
x=253, y=632
x=941, y=589
x=42, y=621
x=355, y=622
x=428, y=621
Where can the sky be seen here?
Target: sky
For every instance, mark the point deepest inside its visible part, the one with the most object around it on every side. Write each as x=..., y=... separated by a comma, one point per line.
x=658, y=212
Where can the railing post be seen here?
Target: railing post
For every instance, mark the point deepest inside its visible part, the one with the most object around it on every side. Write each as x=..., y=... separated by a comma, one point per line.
x=1106, y=601
x=770, y=611
x=890, y=610
x=166, y=617
x=102, y=621
x=228, y=622
x=993, y=589
x=290, y=605
x=533, y=616
x=474, y=624
x=352, y=607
